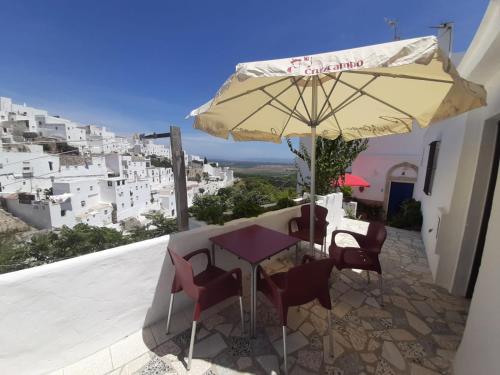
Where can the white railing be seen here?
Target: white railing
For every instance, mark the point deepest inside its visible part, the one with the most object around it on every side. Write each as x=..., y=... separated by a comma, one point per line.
x=56, y=314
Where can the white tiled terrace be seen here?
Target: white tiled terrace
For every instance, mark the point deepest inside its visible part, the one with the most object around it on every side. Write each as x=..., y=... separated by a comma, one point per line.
x=417, y=331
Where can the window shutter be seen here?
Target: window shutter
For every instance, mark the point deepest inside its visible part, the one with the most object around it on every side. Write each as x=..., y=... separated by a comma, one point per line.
x=431, y=167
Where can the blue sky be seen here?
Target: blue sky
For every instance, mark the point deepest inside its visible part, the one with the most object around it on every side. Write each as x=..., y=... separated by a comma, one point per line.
x=139, y=66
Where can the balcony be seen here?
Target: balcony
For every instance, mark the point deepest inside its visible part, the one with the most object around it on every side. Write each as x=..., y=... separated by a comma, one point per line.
x=105, y=313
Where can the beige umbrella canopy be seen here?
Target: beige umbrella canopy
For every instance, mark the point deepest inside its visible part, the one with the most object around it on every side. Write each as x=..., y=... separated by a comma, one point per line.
x=358, y=93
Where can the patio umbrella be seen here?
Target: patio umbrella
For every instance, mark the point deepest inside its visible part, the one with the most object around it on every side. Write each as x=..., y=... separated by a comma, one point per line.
x=351, y=180
x=358, y=93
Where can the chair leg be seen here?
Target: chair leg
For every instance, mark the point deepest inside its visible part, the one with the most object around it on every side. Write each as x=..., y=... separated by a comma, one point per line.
x=284, y=351
x=242, y=315
x=330, y=336
x=171, y=304
x=381, y=287
x=191, y=345
x=368, y=277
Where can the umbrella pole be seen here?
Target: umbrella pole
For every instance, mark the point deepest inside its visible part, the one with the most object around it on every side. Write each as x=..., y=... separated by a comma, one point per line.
x=313, y=190
x=314, y=123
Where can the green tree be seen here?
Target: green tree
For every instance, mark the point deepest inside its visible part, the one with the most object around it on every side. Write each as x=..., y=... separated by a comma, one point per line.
x=248, y=204
x=160, y=162
x=158, y=225
x=333, y=157
x=209, y=208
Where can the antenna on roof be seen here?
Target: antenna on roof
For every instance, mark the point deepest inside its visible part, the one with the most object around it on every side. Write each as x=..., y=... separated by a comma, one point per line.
x=393, y=24
x=445, y=30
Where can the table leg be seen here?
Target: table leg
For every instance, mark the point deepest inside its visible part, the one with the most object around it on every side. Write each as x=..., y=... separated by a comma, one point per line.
x=253, y=300
x=213, y=254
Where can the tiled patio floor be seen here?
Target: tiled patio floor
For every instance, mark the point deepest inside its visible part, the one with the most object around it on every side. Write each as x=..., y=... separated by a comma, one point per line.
x=416, y=332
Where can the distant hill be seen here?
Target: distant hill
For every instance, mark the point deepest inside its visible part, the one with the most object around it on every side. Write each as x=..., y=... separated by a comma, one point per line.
x=260, y=168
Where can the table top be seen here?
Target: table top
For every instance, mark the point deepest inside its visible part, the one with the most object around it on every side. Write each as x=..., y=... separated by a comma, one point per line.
x=254, y=243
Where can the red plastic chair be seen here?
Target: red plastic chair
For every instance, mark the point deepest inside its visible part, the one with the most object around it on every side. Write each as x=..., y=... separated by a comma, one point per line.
x=209, y=287
x=297, y=286
x=366, y=256
x=302, y=222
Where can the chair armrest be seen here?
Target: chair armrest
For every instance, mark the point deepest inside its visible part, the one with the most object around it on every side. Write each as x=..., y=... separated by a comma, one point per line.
x=357, y=236
x=200, y=251
x=307, y=258
x=222, y=278
x=272, y=285
x=290, y=224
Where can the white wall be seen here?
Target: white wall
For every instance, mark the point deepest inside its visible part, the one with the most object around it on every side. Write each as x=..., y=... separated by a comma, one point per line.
x=463, y=140
x=56, y=314
x=41, y=214
x=479, y=350
x=436, y=207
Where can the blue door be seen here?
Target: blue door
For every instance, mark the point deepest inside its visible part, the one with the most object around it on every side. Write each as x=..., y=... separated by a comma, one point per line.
x=400, y=192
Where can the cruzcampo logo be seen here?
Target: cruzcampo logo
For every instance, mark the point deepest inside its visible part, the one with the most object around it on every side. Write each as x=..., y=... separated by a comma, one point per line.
x=298, y=64
x=305, y=66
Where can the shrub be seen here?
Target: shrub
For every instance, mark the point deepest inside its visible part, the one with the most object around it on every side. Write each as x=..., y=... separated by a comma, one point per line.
x=248, y=204
x=284, y=203
x=209, y=208
x=409, y=216
x=346, y=191
x=159, y=225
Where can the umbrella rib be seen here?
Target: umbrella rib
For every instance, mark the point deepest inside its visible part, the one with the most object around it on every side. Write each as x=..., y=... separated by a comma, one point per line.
x=261, y=107
x=357, y=91
x=327, y=100
x=362, y=91
x=302, y=99
x=253, y=90
x=288, y=113
x=338, y=125
x=294, y=108
x=285, y=106
x=405, y=76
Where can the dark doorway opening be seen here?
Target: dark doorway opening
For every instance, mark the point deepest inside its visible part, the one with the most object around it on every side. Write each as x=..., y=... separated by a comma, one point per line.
x=486, y=217
x=400, y=192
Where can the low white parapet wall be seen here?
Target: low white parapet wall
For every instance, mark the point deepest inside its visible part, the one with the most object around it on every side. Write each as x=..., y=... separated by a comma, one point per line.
x=56, y=314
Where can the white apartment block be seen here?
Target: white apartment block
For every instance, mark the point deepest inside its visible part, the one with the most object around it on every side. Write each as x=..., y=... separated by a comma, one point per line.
x=147, y=147
x=63, y=130
x=41, y=214
x=128, y=198
x=27, y=170
x=192, y=158
x=17, y=120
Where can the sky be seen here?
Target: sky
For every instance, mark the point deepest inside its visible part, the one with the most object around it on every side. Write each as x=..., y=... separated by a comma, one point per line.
x=141, y=66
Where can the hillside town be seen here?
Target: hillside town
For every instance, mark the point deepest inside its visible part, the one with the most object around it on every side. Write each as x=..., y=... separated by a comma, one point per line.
x=55, y=172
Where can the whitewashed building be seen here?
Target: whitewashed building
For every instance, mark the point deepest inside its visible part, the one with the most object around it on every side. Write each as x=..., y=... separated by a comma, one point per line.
x=147, y=147
x=17, y=120
x=128, y=198
x=111, y=178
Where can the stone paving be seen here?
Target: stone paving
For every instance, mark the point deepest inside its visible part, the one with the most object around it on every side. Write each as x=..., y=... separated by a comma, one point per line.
x=417, y=331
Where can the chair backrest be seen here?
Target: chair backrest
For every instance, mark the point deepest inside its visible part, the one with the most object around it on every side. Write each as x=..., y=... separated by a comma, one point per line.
x=184, y=276
x=375, y=237
x=308, y=282
x=320, y=213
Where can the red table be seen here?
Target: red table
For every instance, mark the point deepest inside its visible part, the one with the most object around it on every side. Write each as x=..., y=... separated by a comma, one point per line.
x=253, y=244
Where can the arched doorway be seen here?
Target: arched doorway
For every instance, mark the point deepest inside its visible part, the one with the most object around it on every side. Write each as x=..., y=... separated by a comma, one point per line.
x=399, y=185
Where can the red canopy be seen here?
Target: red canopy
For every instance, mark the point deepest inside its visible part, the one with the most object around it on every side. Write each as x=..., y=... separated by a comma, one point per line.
x=352, y=180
